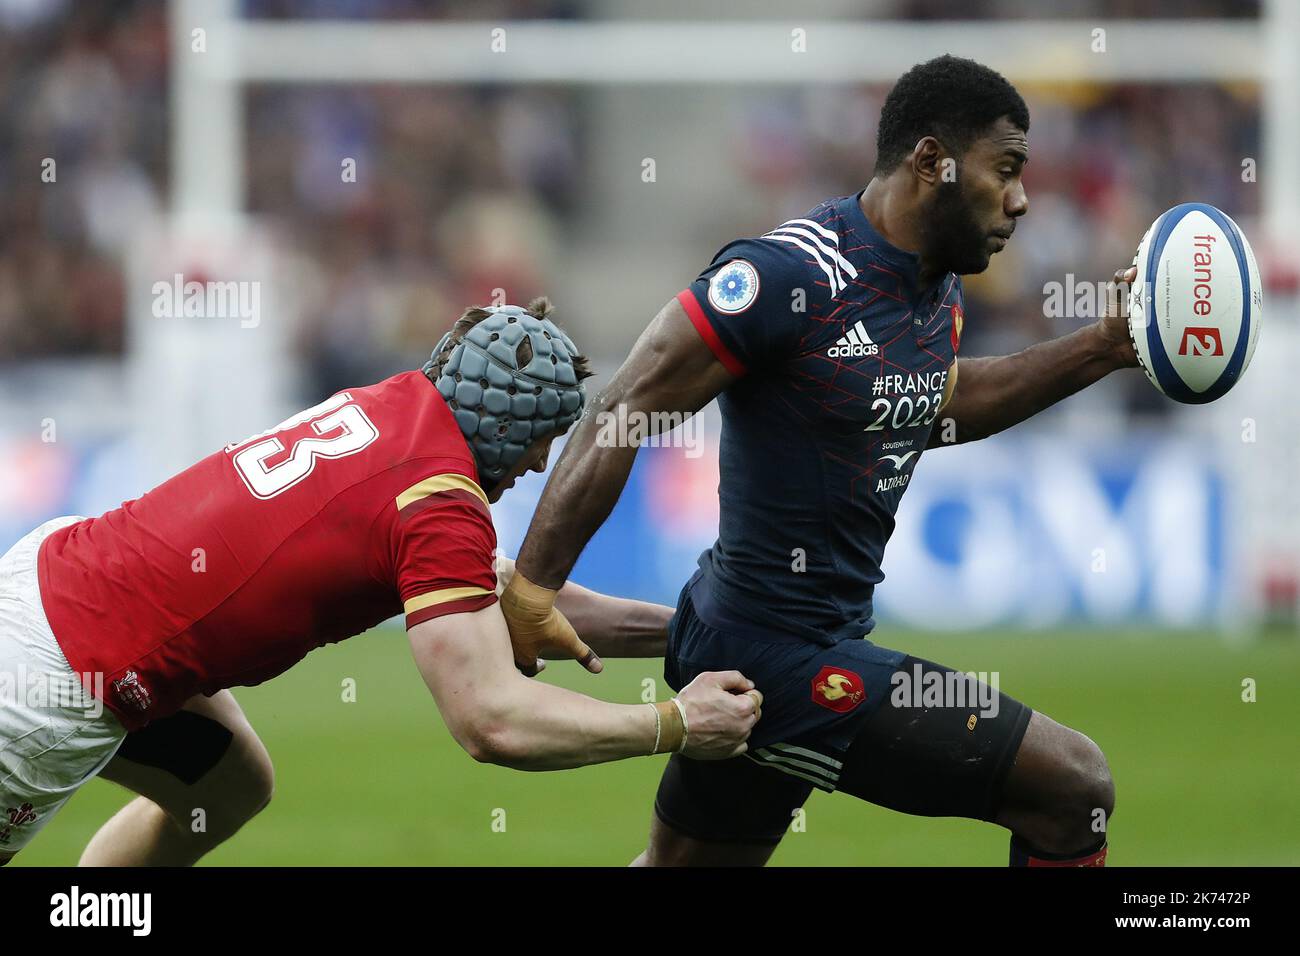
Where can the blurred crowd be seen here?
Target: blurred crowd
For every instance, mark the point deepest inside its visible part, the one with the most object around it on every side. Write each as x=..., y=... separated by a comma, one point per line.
x=83, y=156
x=458, y=194
x=461, y=191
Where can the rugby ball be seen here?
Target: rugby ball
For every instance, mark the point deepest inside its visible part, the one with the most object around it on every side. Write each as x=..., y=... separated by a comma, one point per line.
x=1196, y=304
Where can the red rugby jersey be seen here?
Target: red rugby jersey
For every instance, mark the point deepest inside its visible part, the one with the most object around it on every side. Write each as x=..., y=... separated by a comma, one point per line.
x=228, y=574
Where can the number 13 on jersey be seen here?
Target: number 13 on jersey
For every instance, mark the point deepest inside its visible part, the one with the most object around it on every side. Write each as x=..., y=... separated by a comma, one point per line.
x=335, y=428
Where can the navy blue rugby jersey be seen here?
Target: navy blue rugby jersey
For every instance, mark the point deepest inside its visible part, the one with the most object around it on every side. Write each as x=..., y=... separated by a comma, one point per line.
x=842, y=361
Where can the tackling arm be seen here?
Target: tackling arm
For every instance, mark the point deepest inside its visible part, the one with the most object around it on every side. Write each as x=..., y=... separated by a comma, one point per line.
x=992, y=394
x=499, y=716
x=615, y=627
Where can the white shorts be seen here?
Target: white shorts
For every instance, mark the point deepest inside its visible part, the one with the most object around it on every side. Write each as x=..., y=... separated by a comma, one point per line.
x=54, y=734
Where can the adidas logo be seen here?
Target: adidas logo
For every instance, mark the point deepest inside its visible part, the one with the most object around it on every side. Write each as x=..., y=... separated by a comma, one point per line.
x=855, y=344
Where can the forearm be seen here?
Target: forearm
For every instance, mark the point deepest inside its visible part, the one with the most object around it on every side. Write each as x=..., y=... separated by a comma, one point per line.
x=581, y=492
x=498, y=716
x=543, y=727
x=992, y=394
x=615, y=627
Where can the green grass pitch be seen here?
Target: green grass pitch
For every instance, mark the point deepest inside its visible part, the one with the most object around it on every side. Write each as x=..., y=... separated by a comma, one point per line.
x=1202, y=777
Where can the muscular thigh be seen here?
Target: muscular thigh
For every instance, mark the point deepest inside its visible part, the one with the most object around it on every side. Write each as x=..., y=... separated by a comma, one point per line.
x=206, y=756
x=942, y=744
x=946, y=752
x=720, y=812
x=852, y=717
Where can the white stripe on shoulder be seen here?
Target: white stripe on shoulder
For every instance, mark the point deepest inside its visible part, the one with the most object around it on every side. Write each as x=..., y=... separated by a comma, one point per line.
x=827, y=252
x=828, y=233
x=832, y=275
x=828, y=248
x=834, y=238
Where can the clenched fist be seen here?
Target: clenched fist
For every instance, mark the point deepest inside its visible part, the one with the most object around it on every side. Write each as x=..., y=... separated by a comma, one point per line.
x=721, y=711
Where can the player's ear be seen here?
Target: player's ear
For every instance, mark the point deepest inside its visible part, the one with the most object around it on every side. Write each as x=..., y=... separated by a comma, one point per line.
x=927, y=159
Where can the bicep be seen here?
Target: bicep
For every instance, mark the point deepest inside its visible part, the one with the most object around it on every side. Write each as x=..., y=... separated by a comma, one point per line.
x=464, y=658
x=671, y=368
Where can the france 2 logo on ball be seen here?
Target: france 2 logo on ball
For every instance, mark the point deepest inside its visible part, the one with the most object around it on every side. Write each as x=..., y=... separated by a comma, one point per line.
x=1196, y=305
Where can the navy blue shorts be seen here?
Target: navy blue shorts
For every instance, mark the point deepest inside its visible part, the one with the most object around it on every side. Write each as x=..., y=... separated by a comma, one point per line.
x=852, y=717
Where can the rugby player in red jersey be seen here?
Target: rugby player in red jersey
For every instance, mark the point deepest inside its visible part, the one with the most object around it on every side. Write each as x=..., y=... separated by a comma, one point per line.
x=120, y=635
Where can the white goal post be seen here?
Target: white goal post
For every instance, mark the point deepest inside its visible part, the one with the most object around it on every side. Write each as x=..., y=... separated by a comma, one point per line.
x=207, y=127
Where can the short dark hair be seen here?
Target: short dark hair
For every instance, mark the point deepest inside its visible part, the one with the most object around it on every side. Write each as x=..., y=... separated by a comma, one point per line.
x=539, y=308
x=950, y=98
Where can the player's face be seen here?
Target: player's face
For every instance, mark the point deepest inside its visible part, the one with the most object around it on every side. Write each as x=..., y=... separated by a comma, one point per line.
x=534, y=459
x=973, y=218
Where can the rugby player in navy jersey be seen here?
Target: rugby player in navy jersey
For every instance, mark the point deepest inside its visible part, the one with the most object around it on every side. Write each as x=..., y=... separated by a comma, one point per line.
x=831, y=345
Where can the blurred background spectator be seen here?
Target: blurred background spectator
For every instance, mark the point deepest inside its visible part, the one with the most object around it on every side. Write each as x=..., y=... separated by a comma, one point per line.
x=610, y=198
x=464, y=191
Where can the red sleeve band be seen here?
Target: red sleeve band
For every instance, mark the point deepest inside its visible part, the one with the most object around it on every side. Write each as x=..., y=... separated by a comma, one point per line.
x=702, y=325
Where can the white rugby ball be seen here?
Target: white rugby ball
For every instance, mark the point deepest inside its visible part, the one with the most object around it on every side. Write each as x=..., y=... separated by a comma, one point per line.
x=1196, y=304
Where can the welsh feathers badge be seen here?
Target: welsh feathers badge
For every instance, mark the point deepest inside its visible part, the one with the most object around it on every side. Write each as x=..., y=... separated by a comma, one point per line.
x=734, y=287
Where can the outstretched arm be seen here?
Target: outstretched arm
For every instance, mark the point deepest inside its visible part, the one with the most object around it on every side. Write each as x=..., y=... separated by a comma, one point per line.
x=992, y=394
x=611, y=626
x=499, y=716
